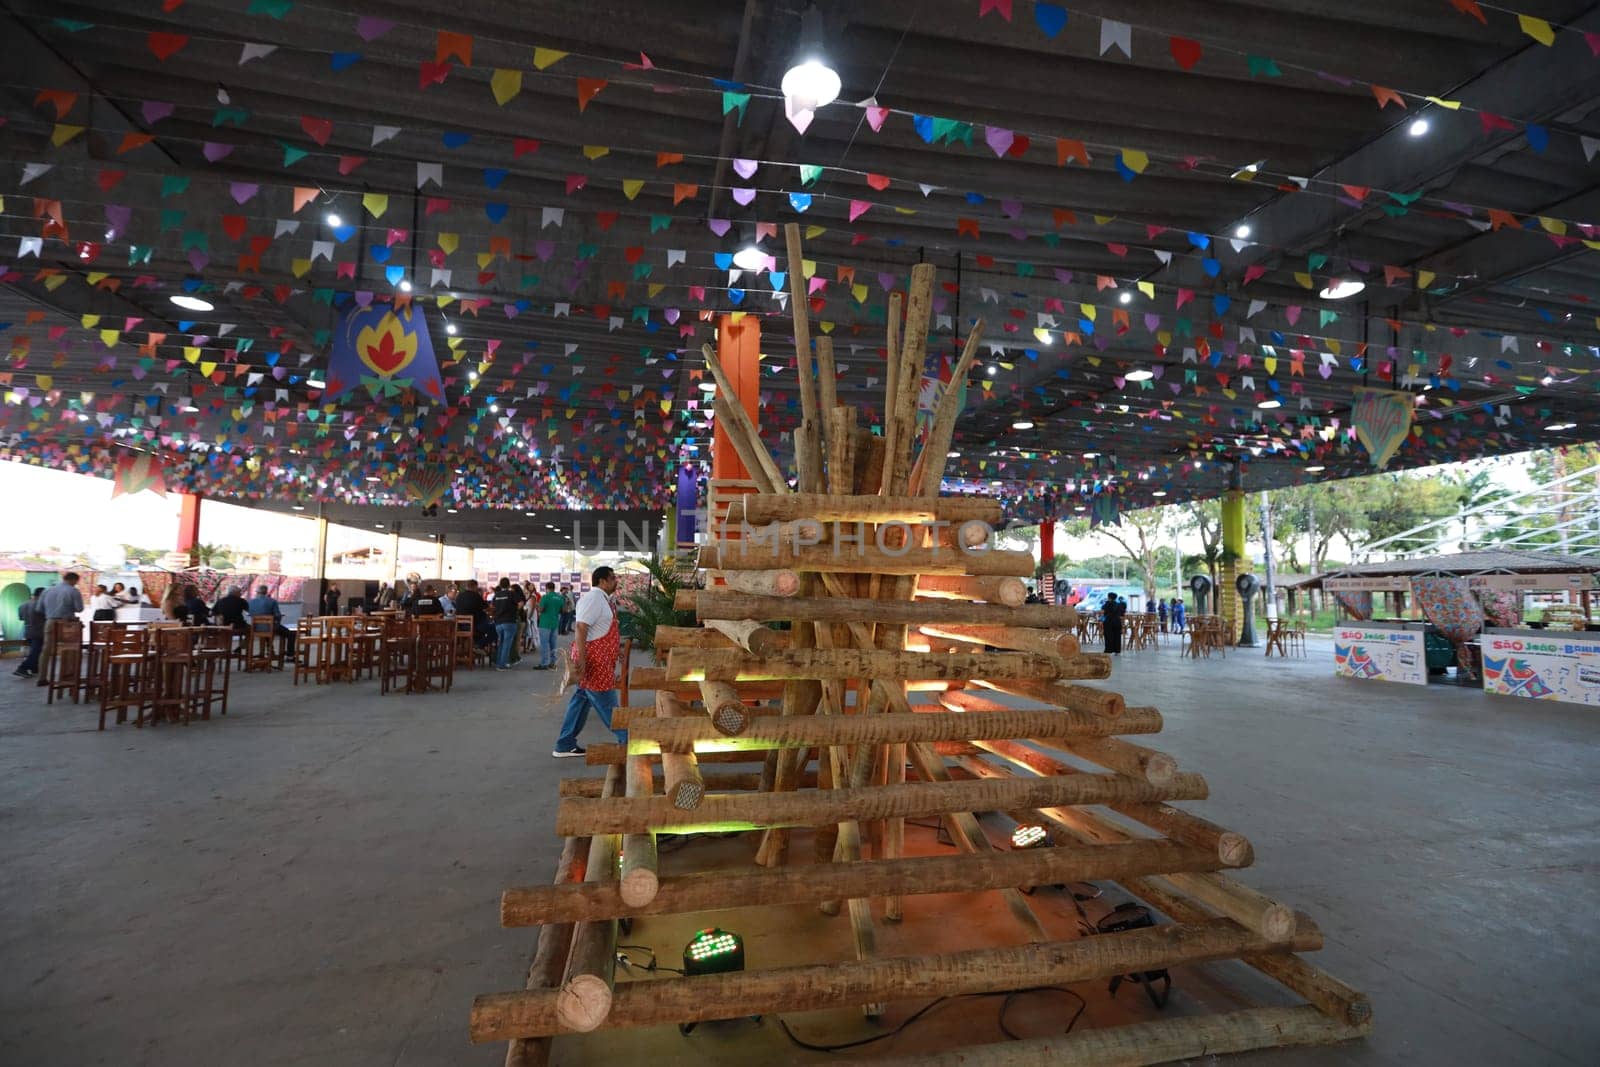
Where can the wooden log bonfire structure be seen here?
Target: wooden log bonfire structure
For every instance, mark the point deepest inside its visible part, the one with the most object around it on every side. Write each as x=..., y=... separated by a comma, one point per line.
x=911, y=682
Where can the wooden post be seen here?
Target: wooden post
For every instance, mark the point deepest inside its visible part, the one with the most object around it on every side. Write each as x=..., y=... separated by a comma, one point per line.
x=749, y=635
x=500, y=1016
x=550, y=954
x=762, y=887
x=648, y=735
x=759, y=509
x=746, y=811
x=713, y=604
x=681, y=770
x=722, y=703
x=1042, y=642
x=729, y=665
x=929, y=471
x=639, y=880
x=862, y=557
x=779, y=582
x=584, y=998
x=1012, y=592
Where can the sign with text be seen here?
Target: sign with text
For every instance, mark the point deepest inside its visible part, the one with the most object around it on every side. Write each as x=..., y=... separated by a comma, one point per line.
x=1511, y=583
x=1562, y=666
x=1376, y=654
x=1387, y=584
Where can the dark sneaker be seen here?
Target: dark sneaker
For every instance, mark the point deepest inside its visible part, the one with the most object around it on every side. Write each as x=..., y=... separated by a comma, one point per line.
x=561, y=753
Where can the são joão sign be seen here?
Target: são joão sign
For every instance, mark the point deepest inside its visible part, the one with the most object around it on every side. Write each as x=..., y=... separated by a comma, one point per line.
x=1378, y=654
x=1562, y=666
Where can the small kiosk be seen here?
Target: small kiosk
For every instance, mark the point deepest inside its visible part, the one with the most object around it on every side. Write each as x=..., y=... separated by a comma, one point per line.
x=1467, y=611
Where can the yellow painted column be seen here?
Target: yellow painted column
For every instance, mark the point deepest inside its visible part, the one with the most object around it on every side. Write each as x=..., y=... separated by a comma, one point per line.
x=1234, y=559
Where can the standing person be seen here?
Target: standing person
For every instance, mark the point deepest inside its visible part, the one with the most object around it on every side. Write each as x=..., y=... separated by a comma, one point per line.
x=1115, y=609
x=1150, y=605
x=594, y=664
x=60, y=601
x=550, y=608
x=504, y=605
x=1161, y=613
x=470, y=602
x=172, y=602
x=103, y=604
x=330, y=600
x=569, y=612
x=521, y=597
x=31, y=614
x=1178, y=611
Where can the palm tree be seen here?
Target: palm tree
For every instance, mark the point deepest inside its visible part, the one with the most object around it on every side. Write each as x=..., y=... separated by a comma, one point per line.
x=213, y=556
x=642, y=612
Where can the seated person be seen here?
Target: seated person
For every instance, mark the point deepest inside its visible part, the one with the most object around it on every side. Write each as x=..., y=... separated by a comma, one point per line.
x=264, y=603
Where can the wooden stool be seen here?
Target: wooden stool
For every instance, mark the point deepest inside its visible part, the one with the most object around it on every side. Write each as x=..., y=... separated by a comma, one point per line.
x=63, y=659
x=125, y=672
x=261, y=644
x=367, y=656
x=213, y=669
x=308, y=649
x=464, y=645
x=397, y=654
x=94, y=652
x=338, y=649
x=436, y=656
x=171, y=693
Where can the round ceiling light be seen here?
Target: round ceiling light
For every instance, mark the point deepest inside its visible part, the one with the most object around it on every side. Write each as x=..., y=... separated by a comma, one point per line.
x=1140, y=375
x=192, y=303
x=1342, y=288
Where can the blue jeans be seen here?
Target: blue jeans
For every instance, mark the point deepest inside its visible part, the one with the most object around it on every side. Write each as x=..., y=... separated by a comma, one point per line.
x=508, y=636
x=604, y=702
x=547, y=647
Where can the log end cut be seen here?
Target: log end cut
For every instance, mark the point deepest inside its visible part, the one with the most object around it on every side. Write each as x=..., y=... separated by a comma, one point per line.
x=583, y=1003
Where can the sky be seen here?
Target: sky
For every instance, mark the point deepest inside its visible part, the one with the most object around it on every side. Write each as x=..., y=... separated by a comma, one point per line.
x=76, y=514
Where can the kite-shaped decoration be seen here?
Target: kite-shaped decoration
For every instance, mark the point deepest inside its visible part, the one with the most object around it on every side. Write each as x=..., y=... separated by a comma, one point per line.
x=1382, y=419
x=1103, y=511
x=427, y=485
x=385, y=343
x=137, y=471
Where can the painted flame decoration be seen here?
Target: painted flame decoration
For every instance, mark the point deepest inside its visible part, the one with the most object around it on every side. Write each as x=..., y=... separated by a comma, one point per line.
x=388, y=347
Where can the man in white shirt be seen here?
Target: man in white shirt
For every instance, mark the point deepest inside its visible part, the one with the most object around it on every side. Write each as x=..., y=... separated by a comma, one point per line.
x=594, y=664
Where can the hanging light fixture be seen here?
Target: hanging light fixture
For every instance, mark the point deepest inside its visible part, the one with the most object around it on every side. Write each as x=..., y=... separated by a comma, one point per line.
x=811, y=82
x=1342, y=288
x=749, y=256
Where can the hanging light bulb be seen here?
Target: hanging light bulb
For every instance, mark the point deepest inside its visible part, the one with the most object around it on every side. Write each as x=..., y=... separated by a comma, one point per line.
x=1340, y=288
x=749, y=256
x=811, y=82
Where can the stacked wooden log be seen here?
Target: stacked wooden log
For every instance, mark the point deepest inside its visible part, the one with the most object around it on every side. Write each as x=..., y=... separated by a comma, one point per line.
x=911, y=681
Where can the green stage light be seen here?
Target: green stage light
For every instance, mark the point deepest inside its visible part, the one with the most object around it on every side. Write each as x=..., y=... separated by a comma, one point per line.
x=713, y=951
x=1029, y=835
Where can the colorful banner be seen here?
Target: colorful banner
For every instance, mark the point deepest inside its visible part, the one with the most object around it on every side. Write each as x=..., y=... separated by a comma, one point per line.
x=137, y=471
x=385, y=349
x=1564, y=667
x=1382, y=419
x=1377, y=654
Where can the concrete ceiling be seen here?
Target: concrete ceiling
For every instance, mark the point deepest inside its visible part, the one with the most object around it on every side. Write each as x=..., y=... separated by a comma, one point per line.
x=1314, y=125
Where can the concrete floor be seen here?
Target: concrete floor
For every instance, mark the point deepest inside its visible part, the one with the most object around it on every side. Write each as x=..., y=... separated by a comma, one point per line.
x=314, y=879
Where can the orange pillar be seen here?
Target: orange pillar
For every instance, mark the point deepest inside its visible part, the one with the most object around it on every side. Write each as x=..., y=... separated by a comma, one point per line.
x=739, y=352
x=188, y=521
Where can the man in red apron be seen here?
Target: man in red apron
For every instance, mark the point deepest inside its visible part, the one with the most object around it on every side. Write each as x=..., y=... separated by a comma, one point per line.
x=594, y=663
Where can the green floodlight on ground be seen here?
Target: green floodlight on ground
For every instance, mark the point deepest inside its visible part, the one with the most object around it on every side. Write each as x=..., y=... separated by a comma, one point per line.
x=713, y=951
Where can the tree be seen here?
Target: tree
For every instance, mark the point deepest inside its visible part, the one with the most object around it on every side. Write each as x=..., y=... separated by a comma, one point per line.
x=1058, y=563
x=213, y=556
x=1142, y=535
x=134, y=554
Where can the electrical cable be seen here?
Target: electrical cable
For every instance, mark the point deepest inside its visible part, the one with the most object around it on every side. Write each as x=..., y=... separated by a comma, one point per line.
x=1000, y=1019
